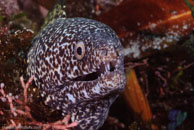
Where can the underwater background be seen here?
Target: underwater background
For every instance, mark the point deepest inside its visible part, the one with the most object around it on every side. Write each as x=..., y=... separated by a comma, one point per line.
x=158, y=39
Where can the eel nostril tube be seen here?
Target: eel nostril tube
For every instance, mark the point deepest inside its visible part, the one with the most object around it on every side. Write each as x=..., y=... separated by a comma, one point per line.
x=123, y=52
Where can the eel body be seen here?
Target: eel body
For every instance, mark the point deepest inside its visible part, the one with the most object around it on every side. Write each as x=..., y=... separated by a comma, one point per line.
x=77, y=64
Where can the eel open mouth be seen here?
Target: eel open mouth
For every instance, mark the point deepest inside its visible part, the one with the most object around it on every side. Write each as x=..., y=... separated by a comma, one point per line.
x=103, y=69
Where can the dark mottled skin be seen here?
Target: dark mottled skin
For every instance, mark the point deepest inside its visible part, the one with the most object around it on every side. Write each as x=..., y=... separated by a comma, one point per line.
x=57, y=71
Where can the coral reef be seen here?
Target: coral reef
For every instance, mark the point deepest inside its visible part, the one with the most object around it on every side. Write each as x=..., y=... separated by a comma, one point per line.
x=16, y=113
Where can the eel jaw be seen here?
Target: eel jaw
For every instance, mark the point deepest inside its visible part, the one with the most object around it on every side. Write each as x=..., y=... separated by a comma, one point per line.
x=103, y=69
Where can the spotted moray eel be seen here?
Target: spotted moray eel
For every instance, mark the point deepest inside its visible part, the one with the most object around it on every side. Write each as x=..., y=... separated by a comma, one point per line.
x=77, y=64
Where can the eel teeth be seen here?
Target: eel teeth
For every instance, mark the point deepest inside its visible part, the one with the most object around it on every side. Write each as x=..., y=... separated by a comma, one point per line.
x=108, y=66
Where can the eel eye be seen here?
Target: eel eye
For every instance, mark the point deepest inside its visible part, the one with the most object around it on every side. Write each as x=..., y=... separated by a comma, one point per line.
x=79, y=50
